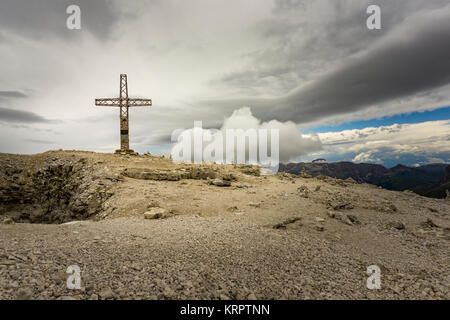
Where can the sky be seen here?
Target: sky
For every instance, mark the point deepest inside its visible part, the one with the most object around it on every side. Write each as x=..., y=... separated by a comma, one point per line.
x=353, y=94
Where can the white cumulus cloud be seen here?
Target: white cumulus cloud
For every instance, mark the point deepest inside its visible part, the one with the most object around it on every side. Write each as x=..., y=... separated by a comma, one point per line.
x=292, y=143
x=429, y=141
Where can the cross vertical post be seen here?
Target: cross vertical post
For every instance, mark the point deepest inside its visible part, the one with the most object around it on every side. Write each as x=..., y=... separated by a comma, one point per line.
x=124, y=130
x=123, y=102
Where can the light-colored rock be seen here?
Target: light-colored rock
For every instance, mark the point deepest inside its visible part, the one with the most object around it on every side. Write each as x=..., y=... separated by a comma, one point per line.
x=69, y=223
x=254, y=204
x=220, y=183
x=7, y=220
x=396, y=225
x=156, y=213
x=303, y=191
x=353, y=219
x=106, y=293
x=67, y=298
x=24, y=294
x=319, y=228
x=251, y=296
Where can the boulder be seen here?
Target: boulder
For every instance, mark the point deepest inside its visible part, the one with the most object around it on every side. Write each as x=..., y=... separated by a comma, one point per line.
x=7, y=220
x=106, y=293
x=396, y=225
x=220, y=183
x=156, y=213
x=354, y=219
x=303, y=191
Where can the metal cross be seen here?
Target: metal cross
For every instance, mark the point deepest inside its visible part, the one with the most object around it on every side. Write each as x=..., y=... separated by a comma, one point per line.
x=124, y=103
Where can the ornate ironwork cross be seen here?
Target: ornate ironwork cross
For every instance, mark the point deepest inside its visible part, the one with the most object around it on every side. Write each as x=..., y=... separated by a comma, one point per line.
x=124, y=103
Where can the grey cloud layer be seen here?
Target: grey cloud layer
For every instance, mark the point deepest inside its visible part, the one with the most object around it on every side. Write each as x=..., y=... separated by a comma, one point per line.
x=12, y=94
x=19, y=116
x=412, y=59
x=406, y=64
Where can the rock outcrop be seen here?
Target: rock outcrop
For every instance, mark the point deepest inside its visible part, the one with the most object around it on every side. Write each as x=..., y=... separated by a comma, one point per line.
x=55, y=190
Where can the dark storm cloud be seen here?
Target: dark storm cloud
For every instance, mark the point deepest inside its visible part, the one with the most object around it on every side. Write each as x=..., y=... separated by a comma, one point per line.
x=410, y=60
x=19, y=116
x=47, y=18
x=310, y=37
x=12, y=94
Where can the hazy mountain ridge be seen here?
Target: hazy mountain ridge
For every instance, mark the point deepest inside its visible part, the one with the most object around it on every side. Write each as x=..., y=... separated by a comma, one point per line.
x=430, y=180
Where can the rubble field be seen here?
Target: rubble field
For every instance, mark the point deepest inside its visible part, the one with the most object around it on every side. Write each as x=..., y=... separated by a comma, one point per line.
x=143, y=227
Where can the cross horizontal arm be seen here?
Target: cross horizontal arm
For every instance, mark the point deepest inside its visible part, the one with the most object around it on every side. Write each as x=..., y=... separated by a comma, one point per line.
x=108, y=102
x=117, y=102
x=139, y=102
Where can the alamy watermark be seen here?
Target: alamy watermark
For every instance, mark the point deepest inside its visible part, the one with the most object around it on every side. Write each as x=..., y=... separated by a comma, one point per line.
x=374, y=280
x=74, y=280
x=227, y=146
x=73, y=21
x=373, y=22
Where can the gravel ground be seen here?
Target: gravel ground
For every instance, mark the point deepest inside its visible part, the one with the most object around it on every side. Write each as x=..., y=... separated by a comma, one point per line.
x=278, y=237
x=201, y=258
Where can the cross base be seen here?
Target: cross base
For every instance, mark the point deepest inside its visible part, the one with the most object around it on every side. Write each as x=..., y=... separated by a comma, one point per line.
x=125, y=151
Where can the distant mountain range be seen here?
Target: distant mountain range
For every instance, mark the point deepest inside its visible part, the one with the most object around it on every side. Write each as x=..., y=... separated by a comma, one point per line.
x=430, y=180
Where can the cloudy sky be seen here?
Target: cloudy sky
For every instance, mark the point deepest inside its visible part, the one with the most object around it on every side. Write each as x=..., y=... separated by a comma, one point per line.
x=378, y=96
